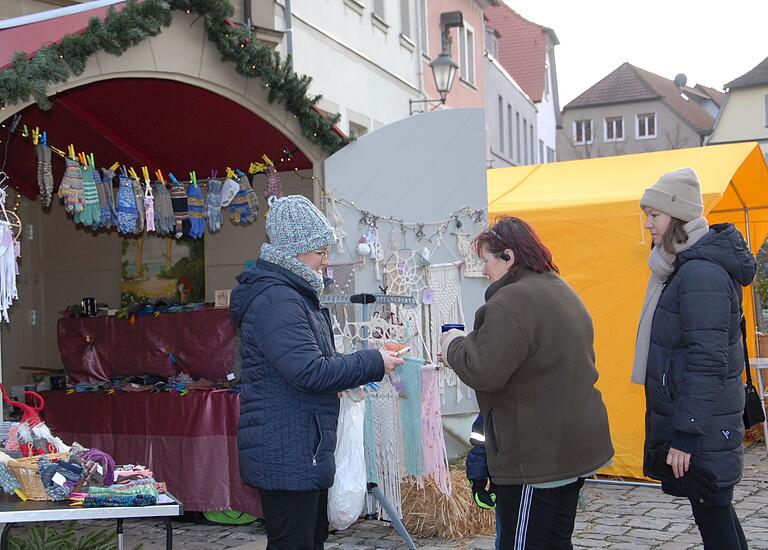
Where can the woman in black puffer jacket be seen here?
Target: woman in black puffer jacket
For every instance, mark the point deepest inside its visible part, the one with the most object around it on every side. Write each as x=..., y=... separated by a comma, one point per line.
x=689, y=355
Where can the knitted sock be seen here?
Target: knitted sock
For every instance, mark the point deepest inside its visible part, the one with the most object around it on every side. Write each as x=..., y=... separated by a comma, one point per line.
x=213, y=205
x=126, y=206
x=180, y=208
x=149, y=210
x=104, y=214
x=138, y=193
x=196, y=204
x=91, y=211
x=47, y=177
x=107, y=177
x=163, y=213
x=71, y=188
x=40, y=178
x=240, y=211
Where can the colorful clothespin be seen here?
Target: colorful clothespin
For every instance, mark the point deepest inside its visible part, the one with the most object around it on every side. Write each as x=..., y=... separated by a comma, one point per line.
x=267, y=160
x=239, y=172
x=45, y=138
x=133, y=174
x=59, y=152
x=159, y=175
x=213, y=174
x=193, y=178
x=173, y=178
x=91, y=161
x=35, y=135
x=71, y=150
x=114, y=166
x=24, y=131
x=230, y=173
x=83, y=159
x=145, y=173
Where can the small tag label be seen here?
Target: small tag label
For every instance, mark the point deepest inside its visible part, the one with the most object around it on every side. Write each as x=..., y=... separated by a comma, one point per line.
x=727, y=434
x=59, y=479
x=100, y=469
x=427, y=296
x=231, y=376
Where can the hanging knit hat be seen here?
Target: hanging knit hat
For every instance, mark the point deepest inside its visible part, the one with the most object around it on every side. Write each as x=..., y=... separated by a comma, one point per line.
x=677, y=194
x=295, y=226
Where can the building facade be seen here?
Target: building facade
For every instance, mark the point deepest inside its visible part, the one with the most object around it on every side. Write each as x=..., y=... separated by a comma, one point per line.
x=634, y=111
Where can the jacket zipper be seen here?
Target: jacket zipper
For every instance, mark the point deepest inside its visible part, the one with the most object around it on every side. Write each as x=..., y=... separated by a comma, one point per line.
x=319, y=442
x=492, y=429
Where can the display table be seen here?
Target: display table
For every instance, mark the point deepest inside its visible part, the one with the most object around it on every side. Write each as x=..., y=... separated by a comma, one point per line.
x=189, y=442
x=13, y=511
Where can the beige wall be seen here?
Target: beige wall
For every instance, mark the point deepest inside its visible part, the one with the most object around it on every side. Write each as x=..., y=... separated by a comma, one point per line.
x=671, y=131
x=743, y=117
x=17, y=8
x=63, y=263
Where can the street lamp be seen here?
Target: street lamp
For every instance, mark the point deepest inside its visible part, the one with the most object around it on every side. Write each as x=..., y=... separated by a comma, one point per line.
x=443, y=67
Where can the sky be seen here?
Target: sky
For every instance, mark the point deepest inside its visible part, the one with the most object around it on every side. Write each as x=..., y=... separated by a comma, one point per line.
x=711, y=43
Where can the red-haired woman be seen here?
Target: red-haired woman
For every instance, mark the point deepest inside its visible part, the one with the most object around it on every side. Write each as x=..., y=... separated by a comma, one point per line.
x=531, y=360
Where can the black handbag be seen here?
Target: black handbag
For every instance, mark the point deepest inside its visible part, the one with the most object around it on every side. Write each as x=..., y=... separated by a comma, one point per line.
x=753, y=406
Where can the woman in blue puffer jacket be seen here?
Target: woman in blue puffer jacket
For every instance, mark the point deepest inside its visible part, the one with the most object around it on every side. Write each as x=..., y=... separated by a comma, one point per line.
x=689, y=355
x=291, y=375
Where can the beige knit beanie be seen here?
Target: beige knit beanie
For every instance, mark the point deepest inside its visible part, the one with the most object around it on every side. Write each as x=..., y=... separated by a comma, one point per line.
x=677, y=194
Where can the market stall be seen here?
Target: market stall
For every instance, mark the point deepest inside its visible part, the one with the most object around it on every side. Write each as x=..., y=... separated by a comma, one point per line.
x=588, y=213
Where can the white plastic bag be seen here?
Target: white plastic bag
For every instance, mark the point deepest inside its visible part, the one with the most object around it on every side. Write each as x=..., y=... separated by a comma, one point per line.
x=347, y=496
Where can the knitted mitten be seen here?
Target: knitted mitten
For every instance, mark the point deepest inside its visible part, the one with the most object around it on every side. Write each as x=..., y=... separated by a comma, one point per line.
x=104, y=215
x=40, y=180
x=91, y=213
x=71, y=188
x=126, y=206
x=180, y=208
x=138, y=194
x=196, y=212
x=149, y=210
x=47, y=177
x=240, y=211
x=164, y=220
x=107, y=177
x=213, y=205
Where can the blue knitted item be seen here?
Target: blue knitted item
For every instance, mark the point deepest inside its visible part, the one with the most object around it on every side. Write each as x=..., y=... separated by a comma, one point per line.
x=127, y=214
x=410, y=415
x=8, y=481
x=109, y=194
x=213, y=205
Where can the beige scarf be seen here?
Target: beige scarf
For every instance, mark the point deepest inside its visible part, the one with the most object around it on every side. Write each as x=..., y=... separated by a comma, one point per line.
x=662, y=264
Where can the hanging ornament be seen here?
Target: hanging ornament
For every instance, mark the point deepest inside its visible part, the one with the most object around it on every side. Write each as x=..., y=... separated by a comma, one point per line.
x=363, y=249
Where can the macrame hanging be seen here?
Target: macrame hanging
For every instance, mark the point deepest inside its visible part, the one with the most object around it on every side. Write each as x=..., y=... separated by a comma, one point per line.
x=473, y=265
x=337, y=222
x=10, y=250
x=410, y=415
x=446, y=308
x=433, y=439
x=404, y=273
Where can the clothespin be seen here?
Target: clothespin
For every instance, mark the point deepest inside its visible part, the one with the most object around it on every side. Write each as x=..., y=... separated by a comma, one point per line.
x=267, y=160
x=239, y=172
x=256, y=167
x=173, y=178
x=114, y=166
x=59, y=152
x=159, y=175
x=24, y=131
x=193, y=178
x=91, y=161
x=213, y=174
x=230, y=173
x=83, y=159
x=145, y=173
x=35, y=135
x=133, y=174
x=71, y=150
x=45, y=138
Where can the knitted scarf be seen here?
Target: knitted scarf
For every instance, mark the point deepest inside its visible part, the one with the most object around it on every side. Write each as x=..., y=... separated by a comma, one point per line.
x=662, y=264
x=273, y=254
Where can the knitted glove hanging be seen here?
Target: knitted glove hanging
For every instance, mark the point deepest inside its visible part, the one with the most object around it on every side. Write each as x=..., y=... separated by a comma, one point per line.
x=47, y=177
x=213, y=205
x=40, y=178
x=274, y=185
x=240, y=210
x=196, y=212
x=126, y=205
x=104, y=214
x=164, y=220
x=92, y=211
x=138, y=194
x=180, y=209
x=107, y=176
x=149, y=208
x=71, y=188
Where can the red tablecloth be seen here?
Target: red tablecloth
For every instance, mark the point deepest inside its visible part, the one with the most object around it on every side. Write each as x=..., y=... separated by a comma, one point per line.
x=200, y=343
x=189, y=442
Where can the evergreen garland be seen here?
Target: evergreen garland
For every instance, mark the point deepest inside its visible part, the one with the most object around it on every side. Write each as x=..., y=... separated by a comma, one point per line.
x=29, y=78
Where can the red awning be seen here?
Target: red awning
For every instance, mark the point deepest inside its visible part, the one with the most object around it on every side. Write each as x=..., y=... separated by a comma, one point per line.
x=39, y=33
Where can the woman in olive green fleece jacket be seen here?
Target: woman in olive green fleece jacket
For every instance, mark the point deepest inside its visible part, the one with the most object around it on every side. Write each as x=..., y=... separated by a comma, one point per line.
x=531, y=360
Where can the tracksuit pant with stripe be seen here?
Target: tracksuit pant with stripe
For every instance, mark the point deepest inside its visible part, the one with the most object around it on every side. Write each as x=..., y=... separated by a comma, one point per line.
x=529, y=518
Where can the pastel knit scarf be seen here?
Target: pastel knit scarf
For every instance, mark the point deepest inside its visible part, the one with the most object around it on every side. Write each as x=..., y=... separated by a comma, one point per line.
x=662, y=264
x=273, y=254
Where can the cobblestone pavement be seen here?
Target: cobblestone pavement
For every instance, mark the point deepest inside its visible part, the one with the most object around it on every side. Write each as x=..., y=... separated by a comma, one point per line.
x=610, y=516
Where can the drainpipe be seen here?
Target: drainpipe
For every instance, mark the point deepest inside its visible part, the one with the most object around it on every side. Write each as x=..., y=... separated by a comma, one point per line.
x=419, y=51
x=288, y=29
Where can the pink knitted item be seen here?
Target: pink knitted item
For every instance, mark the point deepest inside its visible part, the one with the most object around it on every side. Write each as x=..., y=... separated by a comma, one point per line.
x=149, y=209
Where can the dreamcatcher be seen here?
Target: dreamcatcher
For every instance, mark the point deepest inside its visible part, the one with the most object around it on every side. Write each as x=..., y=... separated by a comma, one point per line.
x=404, y=273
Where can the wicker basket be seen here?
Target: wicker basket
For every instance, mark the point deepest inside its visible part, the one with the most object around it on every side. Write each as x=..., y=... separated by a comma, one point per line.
x=28, y=474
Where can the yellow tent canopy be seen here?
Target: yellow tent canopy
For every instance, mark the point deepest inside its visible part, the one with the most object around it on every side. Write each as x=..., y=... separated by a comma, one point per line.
x=587, y=212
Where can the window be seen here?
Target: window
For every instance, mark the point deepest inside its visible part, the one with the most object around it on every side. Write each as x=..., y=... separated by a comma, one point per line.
x=378, y=9
x=492, y=43
x=509, y=129
x=614, y=129
x=423, y=22
x=582, y=131
x=467, y=53
x=550, y=154
x=357, y=130
x=525, y=141
x=405, y=18
x=517, y=135
x=501, y=124
x=541, y=152
x=646, y=126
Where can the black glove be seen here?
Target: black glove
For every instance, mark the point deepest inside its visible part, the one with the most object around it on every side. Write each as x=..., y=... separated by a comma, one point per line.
x=698, y=483
x=483, y=498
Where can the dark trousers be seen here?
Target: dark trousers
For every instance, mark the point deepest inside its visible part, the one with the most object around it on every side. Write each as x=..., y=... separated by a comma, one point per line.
x=296, y=520
x=719, y=527
x=536, y=519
